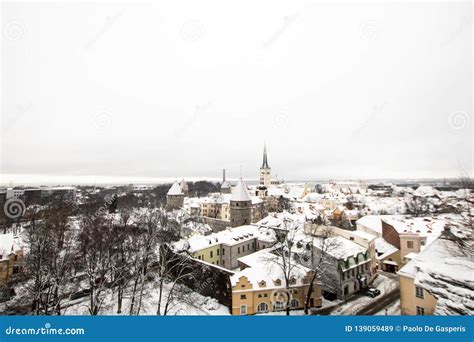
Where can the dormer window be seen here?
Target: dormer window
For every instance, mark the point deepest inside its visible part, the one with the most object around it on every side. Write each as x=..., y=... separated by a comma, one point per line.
x=277, y=282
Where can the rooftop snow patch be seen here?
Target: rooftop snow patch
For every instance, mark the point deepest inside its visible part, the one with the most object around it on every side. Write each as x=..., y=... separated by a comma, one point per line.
x=240, y=192
x=175, y=189
x=446, y=270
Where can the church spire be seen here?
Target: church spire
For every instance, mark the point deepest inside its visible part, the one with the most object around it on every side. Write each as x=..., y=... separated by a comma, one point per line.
x=265, y=161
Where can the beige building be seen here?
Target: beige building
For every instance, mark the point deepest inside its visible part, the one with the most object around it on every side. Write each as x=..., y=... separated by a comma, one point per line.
x=11, y=255
x=226, y=247
x=260, y=286
x=438, y=281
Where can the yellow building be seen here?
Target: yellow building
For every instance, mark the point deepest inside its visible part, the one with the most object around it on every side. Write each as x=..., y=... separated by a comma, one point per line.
x=11, y=255
x=260, y=286
x=439, y=279
x=205, y=248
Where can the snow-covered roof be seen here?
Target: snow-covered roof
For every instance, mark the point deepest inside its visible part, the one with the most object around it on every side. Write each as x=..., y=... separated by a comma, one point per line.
x=265, y=266
x=426, y=191
x=284, y=220
x=225, y=185
x=230, y=236
x=336, y=246
x=384, y=247
x=446, y=270
x=8, y=244
x=429, y=227
x=175, y=189
x=240, y=192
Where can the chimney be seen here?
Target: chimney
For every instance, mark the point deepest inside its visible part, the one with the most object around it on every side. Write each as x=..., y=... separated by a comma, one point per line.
x=223, y=175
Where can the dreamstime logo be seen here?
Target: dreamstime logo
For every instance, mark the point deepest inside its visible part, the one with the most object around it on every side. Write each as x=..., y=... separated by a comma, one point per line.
x=14, y=31
x=192, y=30
x=459, y=119
x=280, y=298
x=287, y=21
x=199, y=111
x=109, y=22
x=14, y=208
x=281, y=120
x=102, y=119
x=369, y=30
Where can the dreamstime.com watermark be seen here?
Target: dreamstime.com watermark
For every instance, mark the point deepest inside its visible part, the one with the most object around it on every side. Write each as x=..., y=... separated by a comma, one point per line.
x=46, y=330
x=14, y=208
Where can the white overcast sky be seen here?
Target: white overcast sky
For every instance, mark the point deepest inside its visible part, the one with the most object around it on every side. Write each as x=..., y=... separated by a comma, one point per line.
x=136, y=91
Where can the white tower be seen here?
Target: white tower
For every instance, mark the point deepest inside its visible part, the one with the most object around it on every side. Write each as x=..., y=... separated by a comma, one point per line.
x=265, y=170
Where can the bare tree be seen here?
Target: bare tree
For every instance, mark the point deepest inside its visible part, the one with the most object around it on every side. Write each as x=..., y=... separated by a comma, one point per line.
x=417, y=206
x=317, y=256
x=98, y=241
x=172, y=269
x=283, y=249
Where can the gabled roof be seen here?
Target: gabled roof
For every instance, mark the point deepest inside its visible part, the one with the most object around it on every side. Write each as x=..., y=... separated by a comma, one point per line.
x=240, y=192
x=175, y=189
x=225, y=185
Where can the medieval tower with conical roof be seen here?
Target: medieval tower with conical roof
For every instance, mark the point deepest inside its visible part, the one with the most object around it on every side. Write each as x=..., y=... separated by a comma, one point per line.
x=240, y=205
x=174, y=197
x=265, y=170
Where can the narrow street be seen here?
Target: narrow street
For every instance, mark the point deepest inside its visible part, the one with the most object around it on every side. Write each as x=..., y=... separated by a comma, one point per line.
x=360, y=304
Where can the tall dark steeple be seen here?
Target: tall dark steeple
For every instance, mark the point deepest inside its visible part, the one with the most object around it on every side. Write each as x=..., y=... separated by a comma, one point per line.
x=265, y=161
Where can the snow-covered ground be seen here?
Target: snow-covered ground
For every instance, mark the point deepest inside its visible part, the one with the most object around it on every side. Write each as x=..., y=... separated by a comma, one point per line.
x=391, y=310
x=191, y=303
x=382, y=282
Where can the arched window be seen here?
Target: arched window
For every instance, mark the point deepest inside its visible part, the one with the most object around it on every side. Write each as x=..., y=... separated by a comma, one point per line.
x=262, y=307
x=278, y=306
x=294, y=303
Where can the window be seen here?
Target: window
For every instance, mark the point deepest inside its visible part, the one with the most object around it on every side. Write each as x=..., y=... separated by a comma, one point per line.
x=238, y=250
x=419, y=292
x=294, y=303
x=243, y=296
x=410, y=244
x=422, y=242
x=243, y=309
x=259, y=295
x=265, y=295
x=210, y=253
x=223, y=251
x=262, y=307
x=420, y=311
x=278, y=306
x=217, y=252
x=217, y=262
x=223, y=262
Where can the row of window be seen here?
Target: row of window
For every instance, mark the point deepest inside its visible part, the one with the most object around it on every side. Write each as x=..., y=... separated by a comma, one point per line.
x=351, y=273
x=263, y=307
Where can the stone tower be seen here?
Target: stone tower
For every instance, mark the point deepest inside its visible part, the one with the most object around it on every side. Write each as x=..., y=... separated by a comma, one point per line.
x=265, y=170
x=240, y=205
x=175, y=197
x=225, y=187
x=184, y=187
